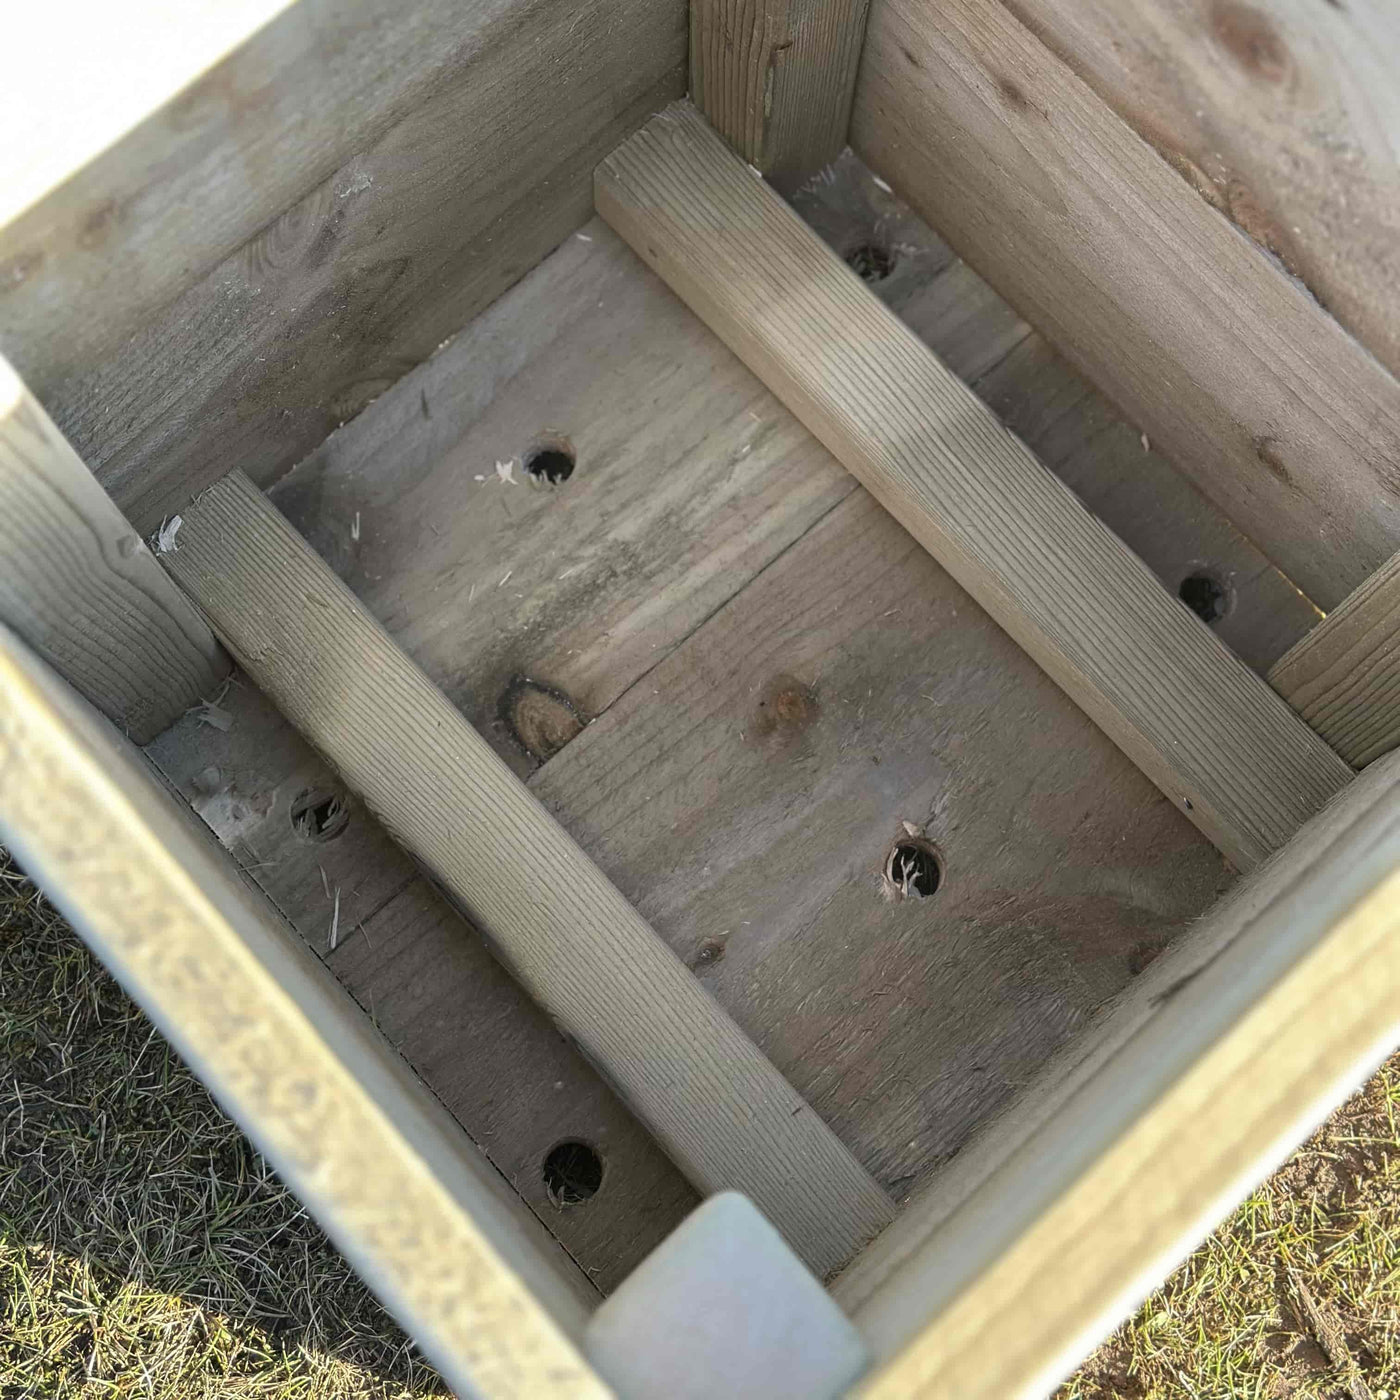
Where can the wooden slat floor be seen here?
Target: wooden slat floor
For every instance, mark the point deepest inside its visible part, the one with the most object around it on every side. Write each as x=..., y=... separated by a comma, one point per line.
x=687, y=650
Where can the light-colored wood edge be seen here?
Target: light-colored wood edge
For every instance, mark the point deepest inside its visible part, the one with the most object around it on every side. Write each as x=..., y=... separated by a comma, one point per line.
x=1210, y=1068
x=1202, y=340
x=1344, y=676
x=728, y=1119
x=1199, y=723
x=490, y=1297
x=81, y=588
x=776, y=78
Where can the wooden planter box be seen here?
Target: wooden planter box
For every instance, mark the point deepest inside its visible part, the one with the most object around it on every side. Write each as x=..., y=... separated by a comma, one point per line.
x=578, y=646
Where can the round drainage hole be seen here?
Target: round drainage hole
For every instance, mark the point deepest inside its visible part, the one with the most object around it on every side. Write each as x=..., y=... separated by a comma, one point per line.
x=870, y=262
x=573, y=1172
x=913, y=870
x=551, y=465
x=319, y=816
x=1205, y=595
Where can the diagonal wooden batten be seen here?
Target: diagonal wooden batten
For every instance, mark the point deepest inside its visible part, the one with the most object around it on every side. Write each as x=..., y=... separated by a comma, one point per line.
x=726, y=1116
x=1226, y=750
x=494, y=1301
x=1344, y=676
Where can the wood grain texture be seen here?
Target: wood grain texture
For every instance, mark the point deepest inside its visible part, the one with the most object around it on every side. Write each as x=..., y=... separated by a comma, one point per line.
x=80, y=586
x=720, y=1109
x=776, y=77
x=1344, y=676
x=246, y=351
x=1202, y=727
x=1186, y=324
x=425, y=975
x=693, y=483
x=746, y=795
x=1285, y=116
x=490, y=1298
x=1213, y=1066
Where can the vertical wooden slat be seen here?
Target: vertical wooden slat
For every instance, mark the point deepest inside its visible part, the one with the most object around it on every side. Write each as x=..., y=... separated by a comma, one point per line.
x=80, y=586
x=491, y=1298
x=776, y=78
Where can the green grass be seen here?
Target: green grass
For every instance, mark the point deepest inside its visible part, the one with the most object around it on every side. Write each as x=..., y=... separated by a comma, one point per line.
x=146, y=1250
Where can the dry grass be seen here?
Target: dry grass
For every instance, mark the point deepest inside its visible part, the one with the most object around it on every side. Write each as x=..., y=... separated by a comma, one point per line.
x=1297, y=1295
x=146, y=1250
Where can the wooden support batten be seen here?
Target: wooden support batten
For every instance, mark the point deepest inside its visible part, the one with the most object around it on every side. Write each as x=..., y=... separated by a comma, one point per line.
x=1200, y=724
x=79, y=585
x=725, y=1115
x=1344, y=676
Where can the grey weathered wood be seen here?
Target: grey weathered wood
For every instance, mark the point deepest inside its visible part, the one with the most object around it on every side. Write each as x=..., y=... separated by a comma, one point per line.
x=311, y=220
x=746, y=793
x=1195, y=333
x=1202, y=726
x=1130, y=1146
x=776, y=77
x=490, y=1298
x=80, y=586
x=691, y=481
x=1107, y=462
x=720, y=1109
x=487, y=1052
x=1284, y=116
x=1344, y=676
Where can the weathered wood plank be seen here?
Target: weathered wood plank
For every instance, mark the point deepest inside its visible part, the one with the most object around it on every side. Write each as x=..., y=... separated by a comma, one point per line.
x=689, y=479
x=261, y=283
x=1285, y=116
x=492, y=1300
x=1194, y=332
x=80, y=587
x=1203, y=727
x=724, y=1114
x=424, y=974
x=776, y=78
x=1123, y=1154
x=747, y=793
x=1344, y=676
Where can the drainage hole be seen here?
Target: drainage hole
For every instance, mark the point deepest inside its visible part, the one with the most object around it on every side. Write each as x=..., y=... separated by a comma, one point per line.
x=573, y=1172
x=913, y=870
x=870, y=262
x=319, y=816
x=1205, y=595
x=551, y=465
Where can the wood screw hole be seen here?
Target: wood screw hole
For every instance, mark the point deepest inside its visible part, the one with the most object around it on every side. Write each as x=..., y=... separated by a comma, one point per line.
x=1207, y=596
x=573, y=1172
x=319, y=816
x=550, y=466
x=913, y=870
x=871, y=262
